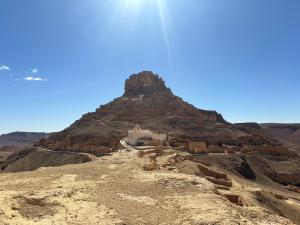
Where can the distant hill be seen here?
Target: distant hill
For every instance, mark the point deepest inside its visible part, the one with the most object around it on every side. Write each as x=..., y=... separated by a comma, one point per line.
x=20, y=139
x=287, y=134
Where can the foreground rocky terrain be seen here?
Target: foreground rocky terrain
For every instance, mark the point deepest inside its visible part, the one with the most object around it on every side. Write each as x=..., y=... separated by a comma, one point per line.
x=142, y=187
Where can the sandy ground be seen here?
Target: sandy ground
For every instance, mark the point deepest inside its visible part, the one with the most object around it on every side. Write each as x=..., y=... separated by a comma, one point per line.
x=117, y=190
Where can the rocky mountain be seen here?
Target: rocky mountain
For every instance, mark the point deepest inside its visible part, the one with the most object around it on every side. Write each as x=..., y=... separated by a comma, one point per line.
x=148, y=102
x=20, y=139
x=256, y=152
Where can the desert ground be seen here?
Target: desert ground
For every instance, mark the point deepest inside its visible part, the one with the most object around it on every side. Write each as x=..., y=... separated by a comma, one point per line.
x=135, y=187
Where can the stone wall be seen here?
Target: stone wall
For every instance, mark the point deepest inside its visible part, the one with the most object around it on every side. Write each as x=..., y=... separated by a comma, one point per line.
x=197, y=147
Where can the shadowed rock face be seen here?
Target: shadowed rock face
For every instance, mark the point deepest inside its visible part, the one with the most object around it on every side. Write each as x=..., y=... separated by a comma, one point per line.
x=147, y=101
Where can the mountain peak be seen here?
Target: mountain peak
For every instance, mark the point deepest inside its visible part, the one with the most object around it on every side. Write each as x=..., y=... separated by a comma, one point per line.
x=145, y=83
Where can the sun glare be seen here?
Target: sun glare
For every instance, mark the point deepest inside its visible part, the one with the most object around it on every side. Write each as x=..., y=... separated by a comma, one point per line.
x=132, y=10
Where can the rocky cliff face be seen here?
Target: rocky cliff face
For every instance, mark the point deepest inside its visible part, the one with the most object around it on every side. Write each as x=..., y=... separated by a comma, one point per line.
x=147, y=102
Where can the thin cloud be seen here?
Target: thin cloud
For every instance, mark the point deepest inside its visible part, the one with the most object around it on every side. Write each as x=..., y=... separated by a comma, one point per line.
x=34, y=70
x=4, y=67
x=30, y=78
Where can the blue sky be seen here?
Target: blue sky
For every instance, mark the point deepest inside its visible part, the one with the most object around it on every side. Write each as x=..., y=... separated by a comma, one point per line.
x=62, y=58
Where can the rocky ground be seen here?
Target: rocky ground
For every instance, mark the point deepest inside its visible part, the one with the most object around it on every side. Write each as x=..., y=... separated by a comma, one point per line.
x=140, y=187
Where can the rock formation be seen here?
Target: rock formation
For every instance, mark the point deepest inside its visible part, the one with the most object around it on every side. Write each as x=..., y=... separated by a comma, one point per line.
x=246, y=149
x=148, y=102
x=145, y=83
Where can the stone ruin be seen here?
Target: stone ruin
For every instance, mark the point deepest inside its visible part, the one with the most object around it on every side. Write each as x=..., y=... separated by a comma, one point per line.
x=138, y=137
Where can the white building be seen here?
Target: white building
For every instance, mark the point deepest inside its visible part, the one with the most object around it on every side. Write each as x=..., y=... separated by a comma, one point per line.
x=137, y=136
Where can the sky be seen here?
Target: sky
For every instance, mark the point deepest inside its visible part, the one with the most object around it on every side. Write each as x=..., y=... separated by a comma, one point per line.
x=60, y=59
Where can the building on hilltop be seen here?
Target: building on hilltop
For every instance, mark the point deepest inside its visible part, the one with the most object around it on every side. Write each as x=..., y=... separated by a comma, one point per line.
x=138, y=136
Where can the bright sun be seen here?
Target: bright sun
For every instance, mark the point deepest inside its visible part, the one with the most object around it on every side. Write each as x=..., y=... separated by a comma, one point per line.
x=136, y=4
x=132, y=10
